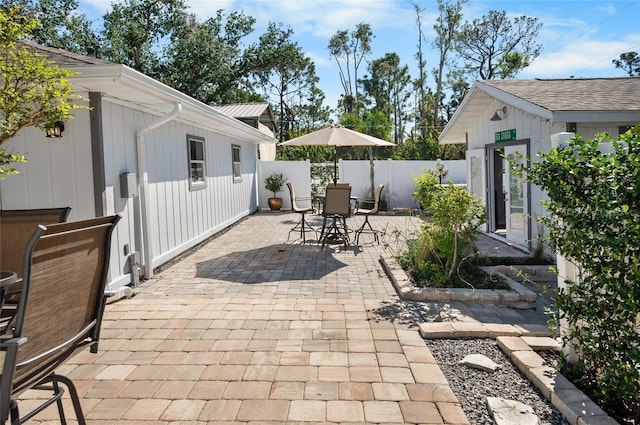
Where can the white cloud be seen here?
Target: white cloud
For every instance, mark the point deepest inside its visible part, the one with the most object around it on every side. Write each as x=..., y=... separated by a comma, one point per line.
x=581, y=58
x=99, y=6
x=207, y=9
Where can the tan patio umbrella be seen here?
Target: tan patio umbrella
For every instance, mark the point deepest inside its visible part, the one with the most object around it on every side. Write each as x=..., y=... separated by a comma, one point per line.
x=336, y=135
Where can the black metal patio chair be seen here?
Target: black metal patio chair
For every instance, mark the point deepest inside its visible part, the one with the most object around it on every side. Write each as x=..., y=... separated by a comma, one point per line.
x=59, y=312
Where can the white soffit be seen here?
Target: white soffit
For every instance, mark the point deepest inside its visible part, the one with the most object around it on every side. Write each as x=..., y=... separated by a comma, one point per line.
x=127, y=86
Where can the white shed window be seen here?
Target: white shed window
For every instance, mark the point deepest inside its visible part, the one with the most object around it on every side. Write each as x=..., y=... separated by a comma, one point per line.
x=237, y=165
x=197, y=164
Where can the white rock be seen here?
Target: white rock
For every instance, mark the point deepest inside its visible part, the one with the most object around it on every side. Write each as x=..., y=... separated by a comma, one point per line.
x=511, y=412
x=478, y=361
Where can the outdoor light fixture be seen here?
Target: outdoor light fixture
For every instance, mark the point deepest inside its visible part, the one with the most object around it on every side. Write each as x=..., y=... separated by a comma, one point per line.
x=442, y=171
x=496, y=115
x=55, y=130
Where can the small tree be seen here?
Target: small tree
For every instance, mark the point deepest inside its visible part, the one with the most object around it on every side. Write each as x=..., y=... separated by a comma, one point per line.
x=452, y=218
x=34, y=92
x=629, y=62
x=274, y=183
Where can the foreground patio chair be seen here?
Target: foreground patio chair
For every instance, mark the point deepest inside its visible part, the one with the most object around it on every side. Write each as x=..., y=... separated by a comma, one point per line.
x=60, y=312
x=303, y=225
x=369, y=212
x=337, y=207
x=17, y=226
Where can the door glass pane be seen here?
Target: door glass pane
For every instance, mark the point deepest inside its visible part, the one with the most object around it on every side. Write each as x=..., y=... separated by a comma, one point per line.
x=516, y=198
x=476, y=176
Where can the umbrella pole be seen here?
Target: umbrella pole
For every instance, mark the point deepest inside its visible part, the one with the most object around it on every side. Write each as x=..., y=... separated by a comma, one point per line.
x=335, y=165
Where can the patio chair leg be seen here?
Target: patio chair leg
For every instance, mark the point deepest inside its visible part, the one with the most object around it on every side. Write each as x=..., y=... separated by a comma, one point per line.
x=323, y=237
x=334, y=230
x=346, y=233
x=303, y=225
x=58, y=390
x=371, y=229
x=75, y=399
x=54, y=380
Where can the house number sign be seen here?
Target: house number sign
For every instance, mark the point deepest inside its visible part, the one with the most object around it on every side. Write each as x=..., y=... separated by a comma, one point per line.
x=505, y=136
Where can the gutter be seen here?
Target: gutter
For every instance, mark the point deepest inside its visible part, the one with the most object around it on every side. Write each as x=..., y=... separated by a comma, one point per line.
x=143, y=186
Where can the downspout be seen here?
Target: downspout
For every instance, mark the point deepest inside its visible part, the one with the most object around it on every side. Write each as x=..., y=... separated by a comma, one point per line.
x=143, y=186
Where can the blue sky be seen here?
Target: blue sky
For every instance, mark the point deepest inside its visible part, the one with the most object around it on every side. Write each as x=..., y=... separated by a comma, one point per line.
x=579, y=38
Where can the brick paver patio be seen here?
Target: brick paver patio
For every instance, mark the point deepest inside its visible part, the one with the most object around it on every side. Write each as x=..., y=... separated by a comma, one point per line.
x=253, y=329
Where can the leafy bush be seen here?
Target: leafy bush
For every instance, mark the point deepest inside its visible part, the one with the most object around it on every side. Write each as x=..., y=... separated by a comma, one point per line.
x=321, y=176
x=594, y=222
x=274, y=183
x=452, y=217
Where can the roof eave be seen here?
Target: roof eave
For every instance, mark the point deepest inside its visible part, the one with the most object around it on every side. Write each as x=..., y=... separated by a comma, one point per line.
x=597, y=116
x=450, y=136
x=95, y=77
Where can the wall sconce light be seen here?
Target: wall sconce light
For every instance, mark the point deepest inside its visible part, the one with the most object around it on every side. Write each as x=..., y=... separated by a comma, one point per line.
x=442, y=171
x=496, y=115
x=55, y=130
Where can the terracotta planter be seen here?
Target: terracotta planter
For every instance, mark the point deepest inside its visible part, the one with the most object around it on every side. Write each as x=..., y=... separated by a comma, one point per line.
x=275, y=204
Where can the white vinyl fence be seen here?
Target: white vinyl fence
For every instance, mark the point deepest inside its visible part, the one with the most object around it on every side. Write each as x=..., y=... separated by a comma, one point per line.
x=396, y=176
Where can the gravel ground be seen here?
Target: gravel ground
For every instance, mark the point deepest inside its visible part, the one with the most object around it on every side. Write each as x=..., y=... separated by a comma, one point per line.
x=473, y=386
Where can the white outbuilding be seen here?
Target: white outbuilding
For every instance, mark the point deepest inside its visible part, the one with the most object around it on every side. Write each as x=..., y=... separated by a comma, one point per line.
x=174, y=168
x=514, y=120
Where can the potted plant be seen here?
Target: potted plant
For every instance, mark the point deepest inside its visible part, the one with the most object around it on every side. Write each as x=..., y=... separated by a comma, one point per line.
x=273, y=184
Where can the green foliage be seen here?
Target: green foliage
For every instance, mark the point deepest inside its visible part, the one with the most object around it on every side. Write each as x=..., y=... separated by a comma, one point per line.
x=285, y=74
x=206, y=59
x=60, y=24
x=594, y=221
x=321, y=176
x=452, y=217
x=274, y=183
x=629, y=62
x=134, y=28
x=426, y=184
x=498, y=46
x=34, y=92
x=349, y=50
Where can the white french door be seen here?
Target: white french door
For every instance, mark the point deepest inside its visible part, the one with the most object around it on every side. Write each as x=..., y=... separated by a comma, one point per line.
x=516, y=196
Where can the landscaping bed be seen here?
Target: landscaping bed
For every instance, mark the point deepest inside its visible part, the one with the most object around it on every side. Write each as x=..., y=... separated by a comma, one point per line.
x=516, y=296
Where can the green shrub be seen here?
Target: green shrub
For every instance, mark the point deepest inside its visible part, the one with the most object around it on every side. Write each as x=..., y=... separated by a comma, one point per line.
x=368, y=204
x=594, y=221
x=452, y=217
x=274, y=183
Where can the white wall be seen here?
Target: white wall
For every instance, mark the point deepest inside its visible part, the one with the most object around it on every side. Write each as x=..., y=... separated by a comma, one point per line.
x=296, y=172
x=180, y=217
x=397, y=176
x=60, y=173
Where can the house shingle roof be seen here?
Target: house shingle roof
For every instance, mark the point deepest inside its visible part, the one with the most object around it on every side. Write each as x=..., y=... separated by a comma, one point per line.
x=64, y=58
x=575, y=94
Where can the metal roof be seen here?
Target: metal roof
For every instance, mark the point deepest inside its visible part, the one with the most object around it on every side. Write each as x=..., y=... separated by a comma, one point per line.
x=244, y=110
x=259, y=111
x=557, y=100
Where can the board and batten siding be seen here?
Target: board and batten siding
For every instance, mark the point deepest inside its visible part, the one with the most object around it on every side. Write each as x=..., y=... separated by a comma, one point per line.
x=58, y=172
x=536, y=130
x=179, y=217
